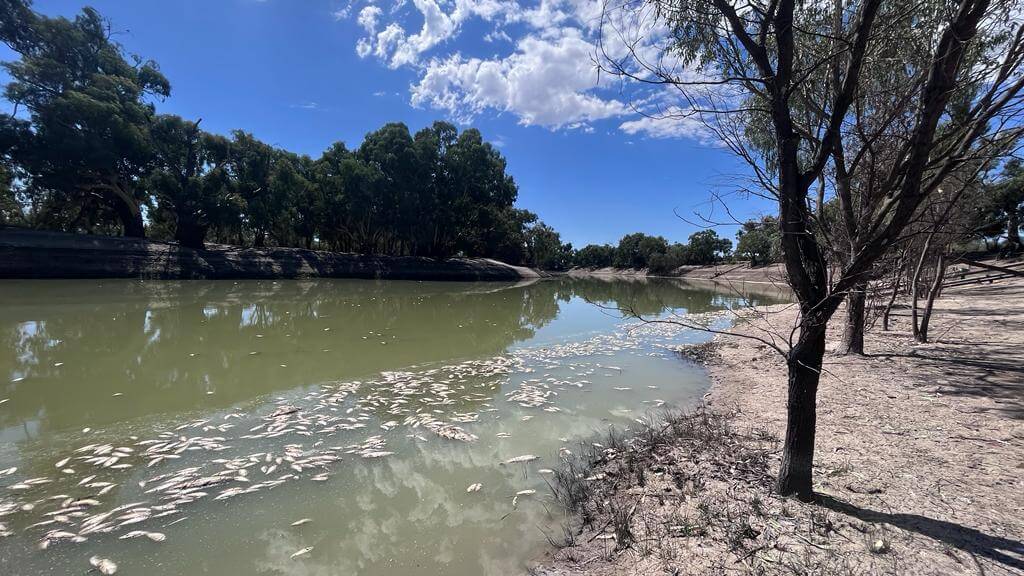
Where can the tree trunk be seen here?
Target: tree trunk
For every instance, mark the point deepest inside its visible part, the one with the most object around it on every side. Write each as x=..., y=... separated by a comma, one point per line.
x=853, y=333
x=896, y=281
x=190, y=234
x=795, y=473
x=130, y=217
x=933, y=293
x=915, y=283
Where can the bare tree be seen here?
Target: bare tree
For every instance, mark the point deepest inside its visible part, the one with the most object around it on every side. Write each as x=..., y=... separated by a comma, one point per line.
x=819, y=98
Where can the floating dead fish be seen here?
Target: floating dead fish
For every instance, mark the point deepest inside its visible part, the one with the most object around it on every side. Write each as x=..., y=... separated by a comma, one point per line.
x=302, y=552
x=515, y=499
x=301, y=522
x=521, y=459
x=103, y=565
x=474, y=487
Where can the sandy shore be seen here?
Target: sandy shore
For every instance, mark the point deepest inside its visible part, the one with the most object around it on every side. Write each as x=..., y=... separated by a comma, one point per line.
x=725, y=274
x=919, y=460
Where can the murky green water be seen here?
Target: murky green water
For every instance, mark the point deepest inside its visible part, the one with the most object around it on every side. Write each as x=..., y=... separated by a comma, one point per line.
x=219, y=413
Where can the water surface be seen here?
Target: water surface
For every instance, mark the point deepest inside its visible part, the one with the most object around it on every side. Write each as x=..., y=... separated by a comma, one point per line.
x=366, y=407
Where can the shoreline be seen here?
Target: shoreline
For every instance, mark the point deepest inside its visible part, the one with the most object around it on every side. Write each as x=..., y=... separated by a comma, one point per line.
x=34, y=254
x=918, y=461
x=733, y=273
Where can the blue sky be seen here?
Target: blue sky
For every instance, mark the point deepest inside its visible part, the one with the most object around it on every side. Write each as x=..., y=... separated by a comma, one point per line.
x=301, y=74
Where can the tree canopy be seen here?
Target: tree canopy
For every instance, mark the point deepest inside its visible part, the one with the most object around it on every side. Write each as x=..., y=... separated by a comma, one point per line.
x=84, y=150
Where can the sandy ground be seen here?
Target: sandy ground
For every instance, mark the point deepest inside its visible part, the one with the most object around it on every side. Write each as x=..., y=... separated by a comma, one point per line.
x=919, y=460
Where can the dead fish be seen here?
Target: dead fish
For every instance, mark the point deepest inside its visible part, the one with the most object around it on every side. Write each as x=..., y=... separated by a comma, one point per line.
x=301, y=522
x=305, y=550
x=515, y=499
x=103, y=565
x=474, y=487
x=521, y=459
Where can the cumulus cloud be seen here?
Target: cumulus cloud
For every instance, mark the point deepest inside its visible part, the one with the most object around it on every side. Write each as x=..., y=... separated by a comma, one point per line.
x=546, y=82
x=546, y=76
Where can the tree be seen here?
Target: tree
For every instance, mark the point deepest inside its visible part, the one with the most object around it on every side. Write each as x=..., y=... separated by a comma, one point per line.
x=88, y=108
x=780, y=82
x=759, y=242
x=1003, y=205
x=705, y=247
x=545, y=250
x=637, y=250
x=292, y=180
x=14, y=134
x=190, y=180
x=252, y=166
x=595, y=256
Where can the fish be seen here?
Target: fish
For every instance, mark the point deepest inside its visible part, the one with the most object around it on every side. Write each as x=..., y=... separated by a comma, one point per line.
x=302, y=552
x=521, y=459
x=474, y=487
x=302, y=521
x=103, y=565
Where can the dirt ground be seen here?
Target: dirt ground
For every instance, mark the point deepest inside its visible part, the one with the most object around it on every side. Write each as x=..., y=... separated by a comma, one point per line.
x=919, y=461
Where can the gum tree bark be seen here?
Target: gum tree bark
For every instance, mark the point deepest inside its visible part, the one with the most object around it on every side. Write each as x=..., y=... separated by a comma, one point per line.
x=853, y=330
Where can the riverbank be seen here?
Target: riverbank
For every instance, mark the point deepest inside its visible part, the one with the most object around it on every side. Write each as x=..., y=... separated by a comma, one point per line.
x=918, y=461
x=731, y=273
x=41, y=254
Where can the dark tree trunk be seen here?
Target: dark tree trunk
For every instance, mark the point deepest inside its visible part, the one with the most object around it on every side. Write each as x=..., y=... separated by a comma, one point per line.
x=853, y=332
x=940, y=272
x=804, y=362
x=897, y=278
x=130, y=217
x=190, y=234
x=915, y=284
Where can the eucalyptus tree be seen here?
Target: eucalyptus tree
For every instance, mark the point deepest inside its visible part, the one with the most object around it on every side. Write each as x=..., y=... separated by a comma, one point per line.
x=292, y=179
x=545, y=249
x=482, y=195
x=90, y=110
x=1002, y=207
x=396, y=203
x=758, y=241
x=14, y=135
x=595, y=256
x=251, y=168
x=189, y=180
x=782, y=83
x=705, y=247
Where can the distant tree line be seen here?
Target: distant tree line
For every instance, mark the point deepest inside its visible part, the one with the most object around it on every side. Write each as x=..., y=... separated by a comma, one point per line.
x=655, y=253
x=84, y=150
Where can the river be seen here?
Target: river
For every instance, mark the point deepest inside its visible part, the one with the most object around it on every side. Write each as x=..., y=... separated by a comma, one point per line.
x=184, y=427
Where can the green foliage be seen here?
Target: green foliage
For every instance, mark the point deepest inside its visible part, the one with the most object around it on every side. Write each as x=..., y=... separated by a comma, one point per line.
x=759, y=241
x=1001, y=209
x=705, y=247
x=654, y=253
x=545, y=249
x=636, y=250
x=595, y=256
x=90, y=113
x=189, y=181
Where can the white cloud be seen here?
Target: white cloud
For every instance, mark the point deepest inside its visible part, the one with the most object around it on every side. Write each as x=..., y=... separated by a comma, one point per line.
x=368, y=17
x=546, y=82
x=543, y=74
x=672, y=123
